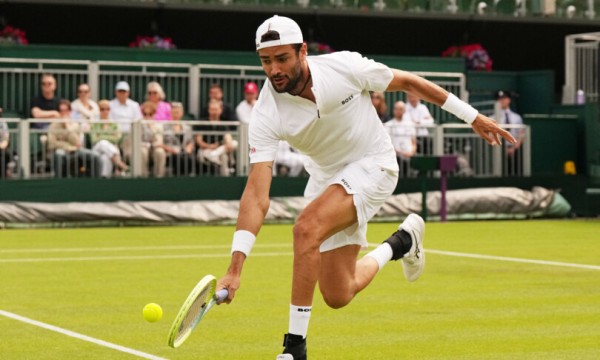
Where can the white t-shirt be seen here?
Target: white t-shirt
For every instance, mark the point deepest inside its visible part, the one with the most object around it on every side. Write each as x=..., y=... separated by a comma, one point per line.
x=402, y=132
x=243, y=111
x=420, y=116
x=80, y=112
x=341, y=128
x=129, y=111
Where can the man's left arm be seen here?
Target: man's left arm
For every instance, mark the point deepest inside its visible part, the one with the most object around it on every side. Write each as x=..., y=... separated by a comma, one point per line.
x=430, y=92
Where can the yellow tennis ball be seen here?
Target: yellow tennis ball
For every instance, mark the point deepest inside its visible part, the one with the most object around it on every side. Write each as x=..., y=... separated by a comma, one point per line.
x=152, y=312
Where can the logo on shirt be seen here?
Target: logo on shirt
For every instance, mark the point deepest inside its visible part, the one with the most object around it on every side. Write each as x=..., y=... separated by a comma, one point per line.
x=347, y=100
x=252, y=150
x=346, y=184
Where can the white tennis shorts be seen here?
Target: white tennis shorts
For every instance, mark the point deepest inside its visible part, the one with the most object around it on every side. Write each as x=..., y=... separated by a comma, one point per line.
x=370, y=185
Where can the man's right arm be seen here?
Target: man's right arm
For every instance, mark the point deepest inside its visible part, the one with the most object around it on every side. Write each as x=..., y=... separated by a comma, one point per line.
x=38, y=113
x=254, y=206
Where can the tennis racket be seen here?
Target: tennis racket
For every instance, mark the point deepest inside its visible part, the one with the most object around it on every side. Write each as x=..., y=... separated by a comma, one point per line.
x=198, y=303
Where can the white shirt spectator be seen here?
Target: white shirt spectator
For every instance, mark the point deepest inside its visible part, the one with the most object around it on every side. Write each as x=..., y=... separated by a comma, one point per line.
x=80, y=112
x=402, y=132
x=510, y=117
x=243, y=111
x=420, y=116
x=129, y=111
x=343, y=110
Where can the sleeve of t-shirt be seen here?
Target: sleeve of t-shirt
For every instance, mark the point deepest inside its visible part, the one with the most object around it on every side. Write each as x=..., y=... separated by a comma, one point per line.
x=263, y=138
x=369, y=74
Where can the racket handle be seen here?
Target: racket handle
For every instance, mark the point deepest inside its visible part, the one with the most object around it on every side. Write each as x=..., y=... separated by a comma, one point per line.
x=221, y=295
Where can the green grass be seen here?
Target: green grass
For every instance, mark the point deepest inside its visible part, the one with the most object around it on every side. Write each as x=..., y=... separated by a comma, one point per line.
x=462, y=308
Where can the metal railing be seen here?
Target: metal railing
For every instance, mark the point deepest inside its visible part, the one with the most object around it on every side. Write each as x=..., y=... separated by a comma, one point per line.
x=582, y=72
x=68, y=149
x=187, y=83
x=204, y=148
x=475, y=157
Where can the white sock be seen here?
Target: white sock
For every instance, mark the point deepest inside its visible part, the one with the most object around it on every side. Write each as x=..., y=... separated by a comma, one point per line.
x=382, y=254
x=299, y=317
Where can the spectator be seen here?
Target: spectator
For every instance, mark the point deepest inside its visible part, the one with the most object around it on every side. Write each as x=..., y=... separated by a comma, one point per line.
x=378, y=100
x=64, y=142
x=83, y=107
x=178, y=144
x=288, y=161
x=216, y=149
x=156, y=95
x=45, y=105
x=122, y=108
x=105, y=137
x=244, y=108
x=514, y=155
x=152, y=141
x=5, y=154
x=403, y=135
x=421, y=118
x=216, y=93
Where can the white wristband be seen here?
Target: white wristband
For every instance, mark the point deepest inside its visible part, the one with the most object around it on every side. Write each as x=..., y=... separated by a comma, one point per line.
x=460, y=109
x=243, y=241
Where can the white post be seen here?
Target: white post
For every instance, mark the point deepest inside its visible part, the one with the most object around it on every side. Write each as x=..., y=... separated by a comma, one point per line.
x=24, y=153
x=438, y=140
x=243, y=159
x=136, y=148
x=569, y=87
x=194, y=90
x=527, y=152
x=497, y=160
x=94, y=79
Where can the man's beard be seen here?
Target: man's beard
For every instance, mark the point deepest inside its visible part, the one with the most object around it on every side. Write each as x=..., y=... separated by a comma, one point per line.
x=292, y=81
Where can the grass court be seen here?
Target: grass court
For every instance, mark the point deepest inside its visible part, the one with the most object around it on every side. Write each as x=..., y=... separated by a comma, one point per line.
x=490, y=290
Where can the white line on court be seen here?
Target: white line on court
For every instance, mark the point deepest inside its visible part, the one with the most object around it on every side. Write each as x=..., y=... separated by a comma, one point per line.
x=133, y=248
x=512, y=259
x=140, y=257
x=80, y=336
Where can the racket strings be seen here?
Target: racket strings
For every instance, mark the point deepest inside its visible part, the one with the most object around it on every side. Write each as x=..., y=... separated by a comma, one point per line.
x=196, y=311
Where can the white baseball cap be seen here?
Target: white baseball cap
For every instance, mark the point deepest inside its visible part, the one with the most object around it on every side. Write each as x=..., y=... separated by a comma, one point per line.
x=288, y=30
x=122, y=85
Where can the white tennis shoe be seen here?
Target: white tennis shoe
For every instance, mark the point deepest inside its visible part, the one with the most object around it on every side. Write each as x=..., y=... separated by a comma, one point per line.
x=413, y=261
x=285, y=357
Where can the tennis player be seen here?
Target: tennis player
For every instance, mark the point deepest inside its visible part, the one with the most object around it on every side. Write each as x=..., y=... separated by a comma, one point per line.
x=321, y=106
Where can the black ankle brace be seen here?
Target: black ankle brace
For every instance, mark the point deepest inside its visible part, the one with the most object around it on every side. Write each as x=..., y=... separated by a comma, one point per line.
x=401, y=242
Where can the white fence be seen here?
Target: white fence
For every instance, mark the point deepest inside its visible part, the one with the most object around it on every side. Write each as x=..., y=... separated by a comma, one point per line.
x=582, y=72
x=186, y=83
x=173, y=149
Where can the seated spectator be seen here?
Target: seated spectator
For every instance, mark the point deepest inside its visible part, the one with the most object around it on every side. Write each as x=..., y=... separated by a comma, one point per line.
x=216, y=93
x=178, y=144
x=378, y=100
x=216, y=149
x=123, y=109
x=288, y=161
x=105, y=137
x=244, y=108
x=403, y=135
x=156, y=95
x=84, y=108
x=152, y=141
x=421, y=118
x=64, y=143
x=45, y=105
x=5, y=153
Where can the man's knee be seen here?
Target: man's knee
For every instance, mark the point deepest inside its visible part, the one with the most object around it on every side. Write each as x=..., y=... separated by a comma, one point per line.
x=336, y=300
x=306, y=235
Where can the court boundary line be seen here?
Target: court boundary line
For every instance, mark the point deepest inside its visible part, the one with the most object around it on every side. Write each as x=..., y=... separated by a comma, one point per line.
x=513, y=259
x=133, y=248
x=135, y=257
x=79, y=336
x=271, y=254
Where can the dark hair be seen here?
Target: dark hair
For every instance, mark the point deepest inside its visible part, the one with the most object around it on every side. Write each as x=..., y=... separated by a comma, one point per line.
x=64, y=102
x=274, y=35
